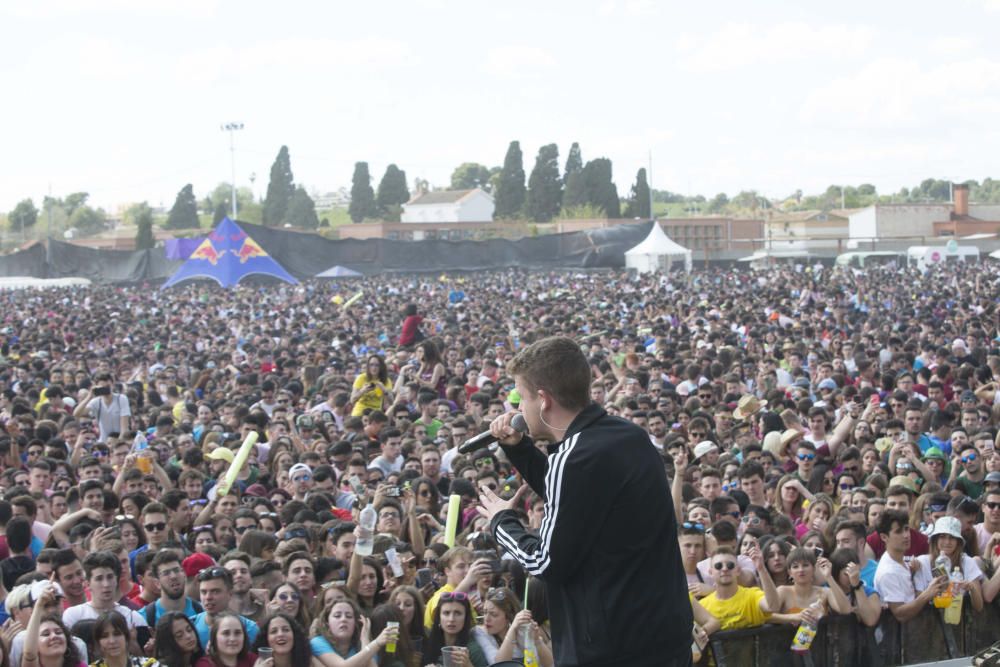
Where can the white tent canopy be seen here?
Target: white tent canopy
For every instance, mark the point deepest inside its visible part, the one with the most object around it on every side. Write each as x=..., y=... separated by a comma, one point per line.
x=339, y=271
x=656, y=253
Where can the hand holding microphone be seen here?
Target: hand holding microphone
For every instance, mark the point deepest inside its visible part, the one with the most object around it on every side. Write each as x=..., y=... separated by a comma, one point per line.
x=507, y=429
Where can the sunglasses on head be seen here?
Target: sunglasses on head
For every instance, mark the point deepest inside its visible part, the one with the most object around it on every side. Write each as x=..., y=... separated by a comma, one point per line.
x=729, y=565
x=454, y=597
x=212, y=573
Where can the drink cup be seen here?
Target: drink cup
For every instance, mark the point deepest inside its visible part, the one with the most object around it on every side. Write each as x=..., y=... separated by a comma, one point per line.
x=450, y=656
x=144, y=462
x=390, y=646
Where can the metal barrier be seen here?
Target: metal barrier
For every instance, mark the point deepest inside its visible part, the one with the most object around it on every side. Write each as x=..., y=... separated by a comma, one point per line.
x=842, y=641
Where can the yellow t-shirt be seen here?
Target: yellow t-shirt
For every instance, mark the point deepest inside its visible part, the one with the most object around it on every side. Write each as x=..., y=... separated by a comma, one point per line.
x=433, y=603
x=740, y=611
x=370, y=399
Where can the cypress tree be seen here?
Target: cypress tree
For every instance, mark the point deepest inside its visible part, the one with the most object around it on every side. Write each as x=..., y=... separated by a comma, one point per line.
x=302, y=210
x=544, y=185
x=279, y=189
x=184, y=213
x=511, y=191
x=638, y=201
x=362, y=196
x=392, y=193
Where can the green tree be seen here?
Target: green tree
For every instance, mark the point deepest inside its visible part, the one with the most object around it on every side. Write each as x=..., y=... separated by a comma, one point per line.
x=279, y=189
x=74, y=201
x=574, y=187
x=302, y=210
x=638, y=200
x=718, y=203
x=600, y=189
x=220, y=212
x=141, y=215
x=392, y=193
x=23, y=216
x=88, y=220
x=184, y=213
x=362, y=195
x=469, y=175
x=544, y=185
x=510, y=194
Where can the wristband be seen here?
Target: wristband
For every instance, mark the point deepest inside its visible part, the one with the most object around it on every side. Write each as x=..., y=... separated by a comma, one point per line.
x=854, y=588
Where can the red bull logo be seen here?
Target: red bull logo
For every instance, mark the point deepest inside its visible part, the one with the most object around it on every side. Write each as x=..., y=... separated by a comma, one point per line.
x=249, y=250
x=207, y=252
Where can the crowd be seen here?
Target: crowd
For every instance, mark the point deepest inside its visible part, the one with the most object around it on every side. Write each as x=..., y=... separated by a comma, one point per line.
x=828, y=434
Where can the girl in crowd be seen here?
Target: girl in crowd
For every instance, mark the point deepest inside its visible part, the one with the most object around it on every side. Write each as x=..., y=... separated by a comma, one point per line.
x=946, y=539
x=847, y=573
x=111, y=636
x=803, y=592
x=287, y=640
x=411, y=604
x=47, y=641
x=790, y=496
x=341, y=637
x=776, y=552
x=452, y=627
x=365, y=581
x=177, y=641
x=403, y=655
x=371, y=388
x=228, y=644
x=286, y=598
x=503, y=619
x=816, y=515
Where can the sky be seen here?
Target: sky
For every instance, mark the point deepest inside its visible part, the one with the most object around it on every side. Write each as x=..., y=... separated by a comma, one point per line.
x=126, y=99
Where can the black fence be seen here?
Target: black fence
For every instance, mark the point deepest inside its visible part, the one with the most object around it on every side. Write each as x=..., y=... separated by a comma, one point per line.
x=305, y=255
x=842, y=641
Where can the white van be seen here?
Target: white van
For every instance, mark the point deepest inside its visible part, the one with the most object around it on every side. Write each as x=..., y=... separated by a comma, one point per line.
x=923, y=257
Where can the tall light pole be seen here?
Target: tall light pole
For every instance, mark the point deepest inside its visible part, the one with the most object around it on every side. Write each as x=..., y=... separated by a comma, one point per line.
x=231, y=128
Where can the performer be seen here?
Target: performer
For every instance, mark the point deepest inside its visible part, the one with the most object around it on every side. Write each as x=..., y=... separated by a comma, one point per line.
x=607, y=548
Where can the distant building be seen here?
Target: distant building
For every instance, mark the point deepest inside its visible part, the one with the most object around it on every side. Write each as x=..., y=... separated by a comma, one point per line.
x=807, y=230
x=449, y=206
x=709, y=234
x=910, y=222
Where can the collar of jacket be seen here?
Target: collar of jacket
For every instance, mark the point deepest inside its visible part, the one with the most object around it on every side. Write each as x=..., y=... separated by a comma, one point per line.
x=585, y=418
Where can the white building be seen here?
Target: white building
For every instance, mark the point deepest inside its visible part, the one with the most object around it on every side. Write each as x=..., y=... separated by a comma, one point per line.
x=884, y=221
x=450, y=206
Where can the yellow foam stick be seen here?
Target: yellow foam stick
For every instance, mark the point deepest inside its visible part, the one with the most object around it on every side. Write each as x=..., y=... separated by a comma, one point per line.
x=353, y=300
x=237, y=464
x=454, y=507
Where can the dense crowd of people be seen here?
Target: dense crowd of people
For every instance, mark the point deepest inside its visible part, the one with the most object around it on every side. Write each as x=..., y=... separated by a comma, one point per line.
x=829, y=434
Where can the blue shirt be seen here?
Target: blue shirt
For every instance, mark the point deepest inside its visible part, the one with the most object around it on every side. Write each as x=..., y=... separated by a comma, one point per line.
x=321, y=646
x=868, y=575
x=159, y=611
x=203, y=630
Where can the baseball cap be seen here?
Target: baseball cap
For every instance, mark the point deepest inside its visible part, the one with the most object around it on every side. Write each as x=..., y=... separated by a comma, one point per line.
x=993, y=477
x=195, y=563
x=934, y=453
x=704, y=447
x=221, y=454
x=297, y=468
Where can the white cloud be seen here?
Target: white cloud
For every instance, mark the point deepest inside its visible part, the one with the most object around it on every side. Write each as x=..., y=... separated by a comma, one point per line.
x=514, y=61
x=894, y=93
x=57, y=9
x=952, y=45
x=745, y=45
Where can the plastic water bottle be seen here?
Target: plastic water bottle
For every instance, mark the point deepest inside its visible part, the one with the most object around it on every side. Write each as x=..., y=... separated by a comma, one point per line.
x=942, y=565
x=140, y=446
x=953, y=614
x=366, y=528
x=527, y=642
x=807, y=631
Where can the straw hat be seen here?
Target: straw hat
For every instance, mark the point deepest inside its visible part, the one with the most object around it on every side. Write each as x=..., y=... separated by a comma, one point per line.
x=789, y=436
x=748, y=406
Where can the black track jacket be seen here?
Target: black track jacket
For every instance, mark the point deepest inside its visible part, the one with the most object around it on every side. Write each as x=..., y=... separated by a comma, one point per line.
x=607, y=549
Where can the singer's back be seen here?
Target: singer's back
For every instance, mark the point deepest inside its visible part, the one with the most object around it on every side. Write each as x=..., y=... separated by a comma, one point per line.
x=607, y=548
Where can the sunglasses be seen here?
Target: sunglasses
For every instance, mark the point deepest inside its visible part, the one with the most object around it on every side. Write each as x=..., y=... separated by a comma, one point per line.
x=155, y=527
x=735, y=515
x=286, y=597
x=729, y=565
x=455, y=597
x=694, y=526
x=697, y=434
x=297, y=532
x=212, y=573
x=968, y=458
x=806, y=457
x=993, y=506
x=302, y=478
x=243, y=529
x=497, y=594
x=429, y=562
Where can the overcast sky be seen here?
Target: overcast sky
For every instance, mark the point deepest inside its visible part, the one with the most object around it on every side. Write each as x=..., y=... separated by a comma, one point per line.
x=124, y=98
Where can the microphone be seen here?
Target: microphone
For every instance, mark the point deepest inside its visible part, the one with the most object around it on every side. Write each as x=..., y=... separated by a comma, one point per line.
x=486, y=438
